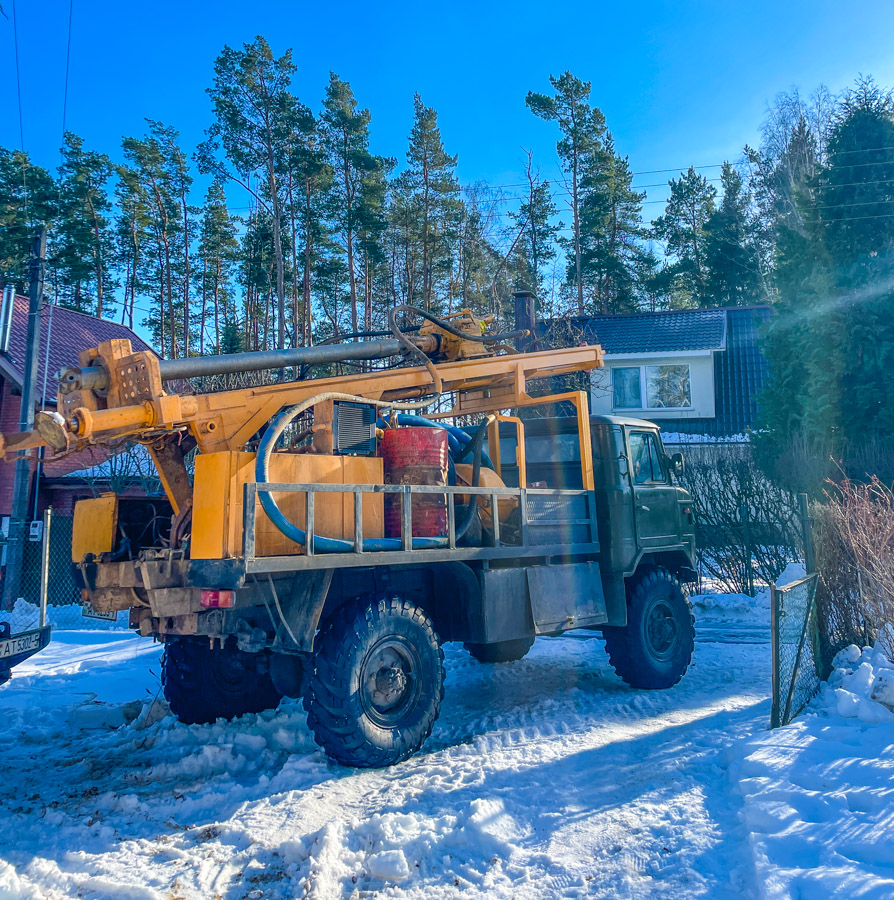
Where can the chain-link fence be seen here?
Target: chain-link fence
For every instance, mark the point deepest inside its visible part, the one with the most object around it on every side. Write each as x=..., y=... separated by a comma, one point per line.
x=795, y=648
x=47, y=557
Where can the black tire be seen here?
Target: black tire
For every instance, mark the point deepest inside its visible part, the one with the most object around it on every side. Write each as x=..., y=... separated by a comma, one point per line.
x=501, y=651
x=203, y=685
x=377, y=683
x=655, y=648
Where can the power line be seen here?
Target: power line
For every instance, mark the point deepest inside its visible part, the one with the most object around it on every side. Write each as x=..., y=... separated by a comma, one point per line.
x=67, y=62
x=860, y=150
x=15, y=33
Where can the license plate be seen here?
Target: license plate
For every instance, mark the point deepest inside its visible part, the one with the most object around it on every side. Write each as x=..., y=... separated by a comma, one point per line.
x=88, y=612
x=21, y=644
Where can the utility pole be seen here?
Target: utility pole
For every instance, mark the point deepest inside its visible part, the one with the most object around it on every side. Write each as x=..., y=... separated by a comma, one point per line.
x=18, y=521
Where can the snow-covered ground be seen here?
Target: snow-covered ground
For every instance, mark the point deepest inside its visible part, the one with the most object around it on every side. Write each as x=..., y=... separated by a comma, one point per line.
x=546, y=777
x=819, y=793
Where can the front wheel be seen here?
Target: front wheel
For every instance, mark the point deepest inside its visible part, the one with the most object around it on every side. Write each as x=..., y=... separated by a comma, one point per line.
x=377, y=683
x=655, y=648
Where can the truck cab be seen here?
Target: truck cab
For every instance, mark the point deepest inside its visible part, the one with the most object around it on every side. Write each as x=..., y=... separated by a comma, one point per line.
x=644, y=516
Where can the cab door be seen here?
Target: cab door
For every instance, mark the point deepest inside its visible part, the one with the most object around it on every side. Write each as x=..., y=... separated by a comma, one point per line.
x=655, y=506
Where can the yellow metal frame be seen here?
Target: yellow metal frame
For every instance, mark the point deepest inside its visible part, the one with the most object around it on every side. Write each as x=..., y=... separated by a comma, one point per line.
x=136, y=407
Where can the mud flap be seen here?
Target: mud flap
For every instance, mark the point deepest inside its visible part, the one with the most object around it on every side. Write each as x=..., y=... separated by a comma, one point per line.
x=566, y=596
x=297, y=614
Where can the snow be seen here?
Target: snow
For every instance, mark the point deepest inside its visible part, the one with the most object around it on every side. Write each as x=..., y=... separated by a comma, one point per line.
x=25, y=615
x=684, y=437
x=546, y=777
x=818, y=793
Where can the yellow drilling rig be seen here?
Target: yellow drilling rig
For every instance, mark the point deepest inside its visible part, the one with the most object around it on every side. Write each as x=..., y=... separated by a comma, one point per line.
x=329, y=534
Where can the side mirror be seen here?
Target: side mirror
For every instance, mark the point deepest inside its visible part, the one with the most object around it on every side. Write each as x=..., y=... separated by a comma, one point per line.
x=678, y=464
x=622, y=465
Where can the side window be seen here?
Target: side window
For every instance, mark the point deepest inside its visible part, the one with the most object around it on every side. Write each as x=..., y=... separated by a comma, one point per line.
x=655, y=453
x=645, y=458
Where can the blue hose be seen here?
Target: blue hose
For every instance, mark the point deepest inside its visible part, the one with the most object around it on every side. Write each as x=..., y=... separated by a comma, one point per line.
x=292, y=531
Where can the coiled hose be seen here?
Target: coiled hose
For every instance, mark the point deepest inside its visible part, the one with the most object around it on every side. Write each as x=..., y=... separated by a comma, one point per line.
x=292, y=531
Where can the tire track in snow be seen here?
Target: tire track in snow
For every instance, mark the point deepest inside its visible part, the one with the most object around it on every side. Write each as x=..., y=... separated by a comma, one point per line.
x=545, y=777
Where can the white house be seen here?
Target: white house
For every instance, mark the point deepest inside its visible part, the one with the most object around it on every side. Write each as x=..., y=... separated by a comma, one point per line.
x=694, y=372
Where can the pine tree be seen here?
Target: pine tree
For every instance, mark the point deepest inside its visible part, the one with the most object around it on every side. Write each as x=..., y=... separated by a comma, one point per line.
x=731, y=251
x=218, y=249
x=356, y=195
x=254, y=116
x=582, y=129
x=536, y=219
x=151, y=171
x=308, y=180
x=28, y=196
x=179, y=179
x=433, y=192
x=132, y=238
x=612, y=256
x=682, y=228
x=83, y=251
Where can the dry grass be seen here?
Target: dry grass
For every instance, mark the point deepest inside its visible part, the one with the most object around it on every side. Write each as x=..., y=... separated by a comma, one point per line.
x=855, y=557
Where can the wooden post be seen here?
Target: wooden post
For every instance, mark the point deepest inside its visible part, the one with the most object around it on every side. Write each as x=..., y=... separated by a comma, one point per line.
x=807, y=535
x=746, y=539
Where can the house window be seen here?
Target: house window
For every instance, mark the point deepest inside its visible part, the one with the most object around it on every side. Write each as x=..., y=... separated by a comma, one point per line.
x=667, y=387
x=627, y=387
x=663, y=387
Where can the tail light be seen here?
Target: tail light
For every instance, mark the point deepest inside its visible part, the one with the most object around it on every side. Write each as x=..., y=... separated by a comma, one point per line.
x=218, y=599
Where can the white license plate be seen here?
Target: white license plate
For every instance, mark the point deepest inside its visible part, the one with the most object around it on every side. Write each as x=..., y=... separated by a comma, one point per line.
x=88, y=612
x=21, y=644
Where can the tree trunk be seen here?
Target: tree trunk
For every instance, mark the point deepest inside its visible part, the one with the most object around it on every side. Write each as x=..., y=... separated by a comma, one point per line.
x=296, y=326
x=308, y=312
x=426, y=275
x=349, y=232
x=97, y=257
x=278, y=254
x=186, y=275
x=204, y=302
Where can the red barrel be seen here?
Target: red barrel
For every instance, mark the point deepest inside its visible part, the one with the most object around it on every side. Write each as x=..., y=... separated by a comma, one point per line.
x=416, y=456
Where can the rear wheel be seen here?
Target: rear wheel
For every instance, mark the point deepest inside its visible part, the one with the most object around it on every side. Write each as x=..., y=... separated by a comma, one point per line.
x=655, y=648
x=501, y=651
x=203, y=685
x=377, y=683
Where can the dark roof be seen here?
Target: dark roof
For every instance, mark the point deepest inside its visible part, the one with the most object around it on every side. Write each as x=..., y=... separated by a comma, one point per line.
x=658, y=332
x=739, y=376
x=71, y=332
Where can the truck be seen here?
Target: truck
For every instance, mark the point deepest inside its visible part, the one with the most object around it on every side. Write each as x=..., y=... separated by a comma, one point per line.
x=323, y=538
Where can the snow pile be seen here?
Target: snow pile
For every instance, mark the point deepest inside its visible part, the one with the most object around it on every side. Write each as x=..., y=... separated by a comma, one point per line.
x=861, y=686
x=26, y=615
x=716, y=607
x=818, y=793
x=731, y=606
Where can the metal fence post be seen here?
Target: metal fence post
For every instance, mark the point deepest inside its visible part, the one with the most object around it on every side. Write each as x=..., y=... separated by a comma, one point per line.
x=45, y=565
x=774, y=645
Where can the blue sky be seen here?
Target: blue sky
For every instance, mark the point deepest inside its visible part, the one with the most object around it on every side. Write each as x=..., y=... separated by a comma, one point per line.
x=679, y=82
